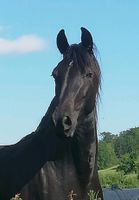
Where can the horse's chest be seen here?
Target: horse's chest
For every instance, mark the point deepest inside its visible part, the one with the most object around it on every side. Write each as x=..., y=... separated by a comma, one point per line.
x=56, y=180
x=61, y=180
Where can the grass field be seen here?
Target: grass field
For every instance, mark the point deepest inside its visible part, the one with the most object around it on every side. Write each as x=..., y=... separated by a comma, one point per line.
x=110, y=176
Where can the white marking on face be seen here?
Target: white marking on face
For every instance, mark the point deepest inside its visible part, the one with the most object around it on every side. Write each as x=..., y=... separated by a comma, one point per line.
x=66, y=79
x=71, y=63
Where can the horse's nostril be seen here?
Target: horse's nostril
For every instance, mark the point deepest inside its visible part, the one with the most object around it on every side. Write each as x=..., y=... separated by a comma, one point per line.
x=67, y=122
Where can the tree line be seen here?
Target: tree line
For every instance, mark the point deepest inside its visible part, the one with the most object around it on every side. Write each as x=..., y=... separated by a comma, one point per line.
x=121, y=150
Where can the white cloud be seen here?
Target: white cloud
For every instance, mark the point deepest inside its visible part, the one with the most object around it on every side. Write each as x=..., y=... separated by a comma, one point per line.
x=22, y=44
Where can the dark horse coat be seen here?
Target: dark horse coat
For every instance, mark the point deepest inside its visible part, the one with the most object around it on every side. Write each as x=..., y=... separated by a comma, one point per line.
x=77, y=79
x=20, y=162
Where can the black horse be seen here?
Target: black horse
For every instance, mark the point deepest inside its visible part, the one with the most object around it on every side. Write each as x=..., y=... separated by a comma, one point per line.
x=77, y=79
x=20, y=162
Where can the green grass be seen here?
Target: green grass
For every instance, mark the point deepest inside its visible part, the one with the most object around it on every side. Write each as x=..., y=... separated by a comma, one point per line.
x=110, y=176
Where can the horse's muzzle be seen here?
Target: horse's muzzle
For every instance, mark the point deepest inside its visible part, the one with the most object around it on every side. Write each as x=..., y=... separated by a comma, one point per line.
x=63, y=125
x=67, y=123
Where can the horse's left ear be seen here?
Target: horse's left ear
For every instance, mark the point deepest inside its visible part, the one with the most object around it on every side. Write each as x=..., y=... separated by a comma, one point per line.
x=62, y=42
x=86, y=39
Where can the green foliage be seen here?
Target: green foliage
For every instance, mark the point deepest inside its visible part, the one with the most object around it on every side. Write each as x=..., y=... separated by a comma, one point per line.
x=137, y=168
x=127, y=164
x=113, y=147
x=93, y=196
x=127, y=142
x=125, y=151
x=130, y=181
x=109, y=177
x=108, y=137
x=107, y=156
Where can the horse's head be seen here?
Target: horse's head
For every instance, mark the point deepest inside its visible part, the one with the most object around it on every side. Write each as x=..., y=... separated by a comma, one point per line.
x=77, y=79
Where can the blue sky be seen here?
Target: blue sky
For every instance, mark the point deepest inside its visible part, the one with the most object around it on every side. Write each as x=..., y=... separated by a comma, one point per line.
x=28, y=54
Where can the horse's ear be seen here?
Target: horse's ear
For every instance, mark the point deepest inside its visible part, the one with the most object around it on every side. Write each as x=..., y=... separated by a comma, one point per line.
x=62, y=42
x=86, y=39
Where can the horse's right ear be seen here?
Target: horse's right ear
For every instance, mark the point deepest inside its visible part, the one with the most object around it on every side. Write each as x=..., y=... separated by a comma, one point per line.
x=62, y=42
x=86, y=39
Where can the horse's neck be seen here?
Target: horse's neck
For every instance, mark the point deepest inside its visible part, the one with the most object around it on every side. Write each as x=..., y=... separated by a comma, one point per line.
x=86, y=129
x=84, y=148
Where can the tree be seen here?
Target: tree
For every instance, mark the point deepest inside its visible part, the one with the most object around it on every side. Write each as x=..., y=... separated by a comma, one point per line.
x=106, y=155
x=127, y=142
x=127, y=164
x=108, y=137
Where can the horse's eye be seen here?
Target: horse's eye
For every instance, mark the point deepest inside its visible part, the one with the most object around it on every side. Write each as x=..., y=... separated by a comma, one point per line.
x=89, y=75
